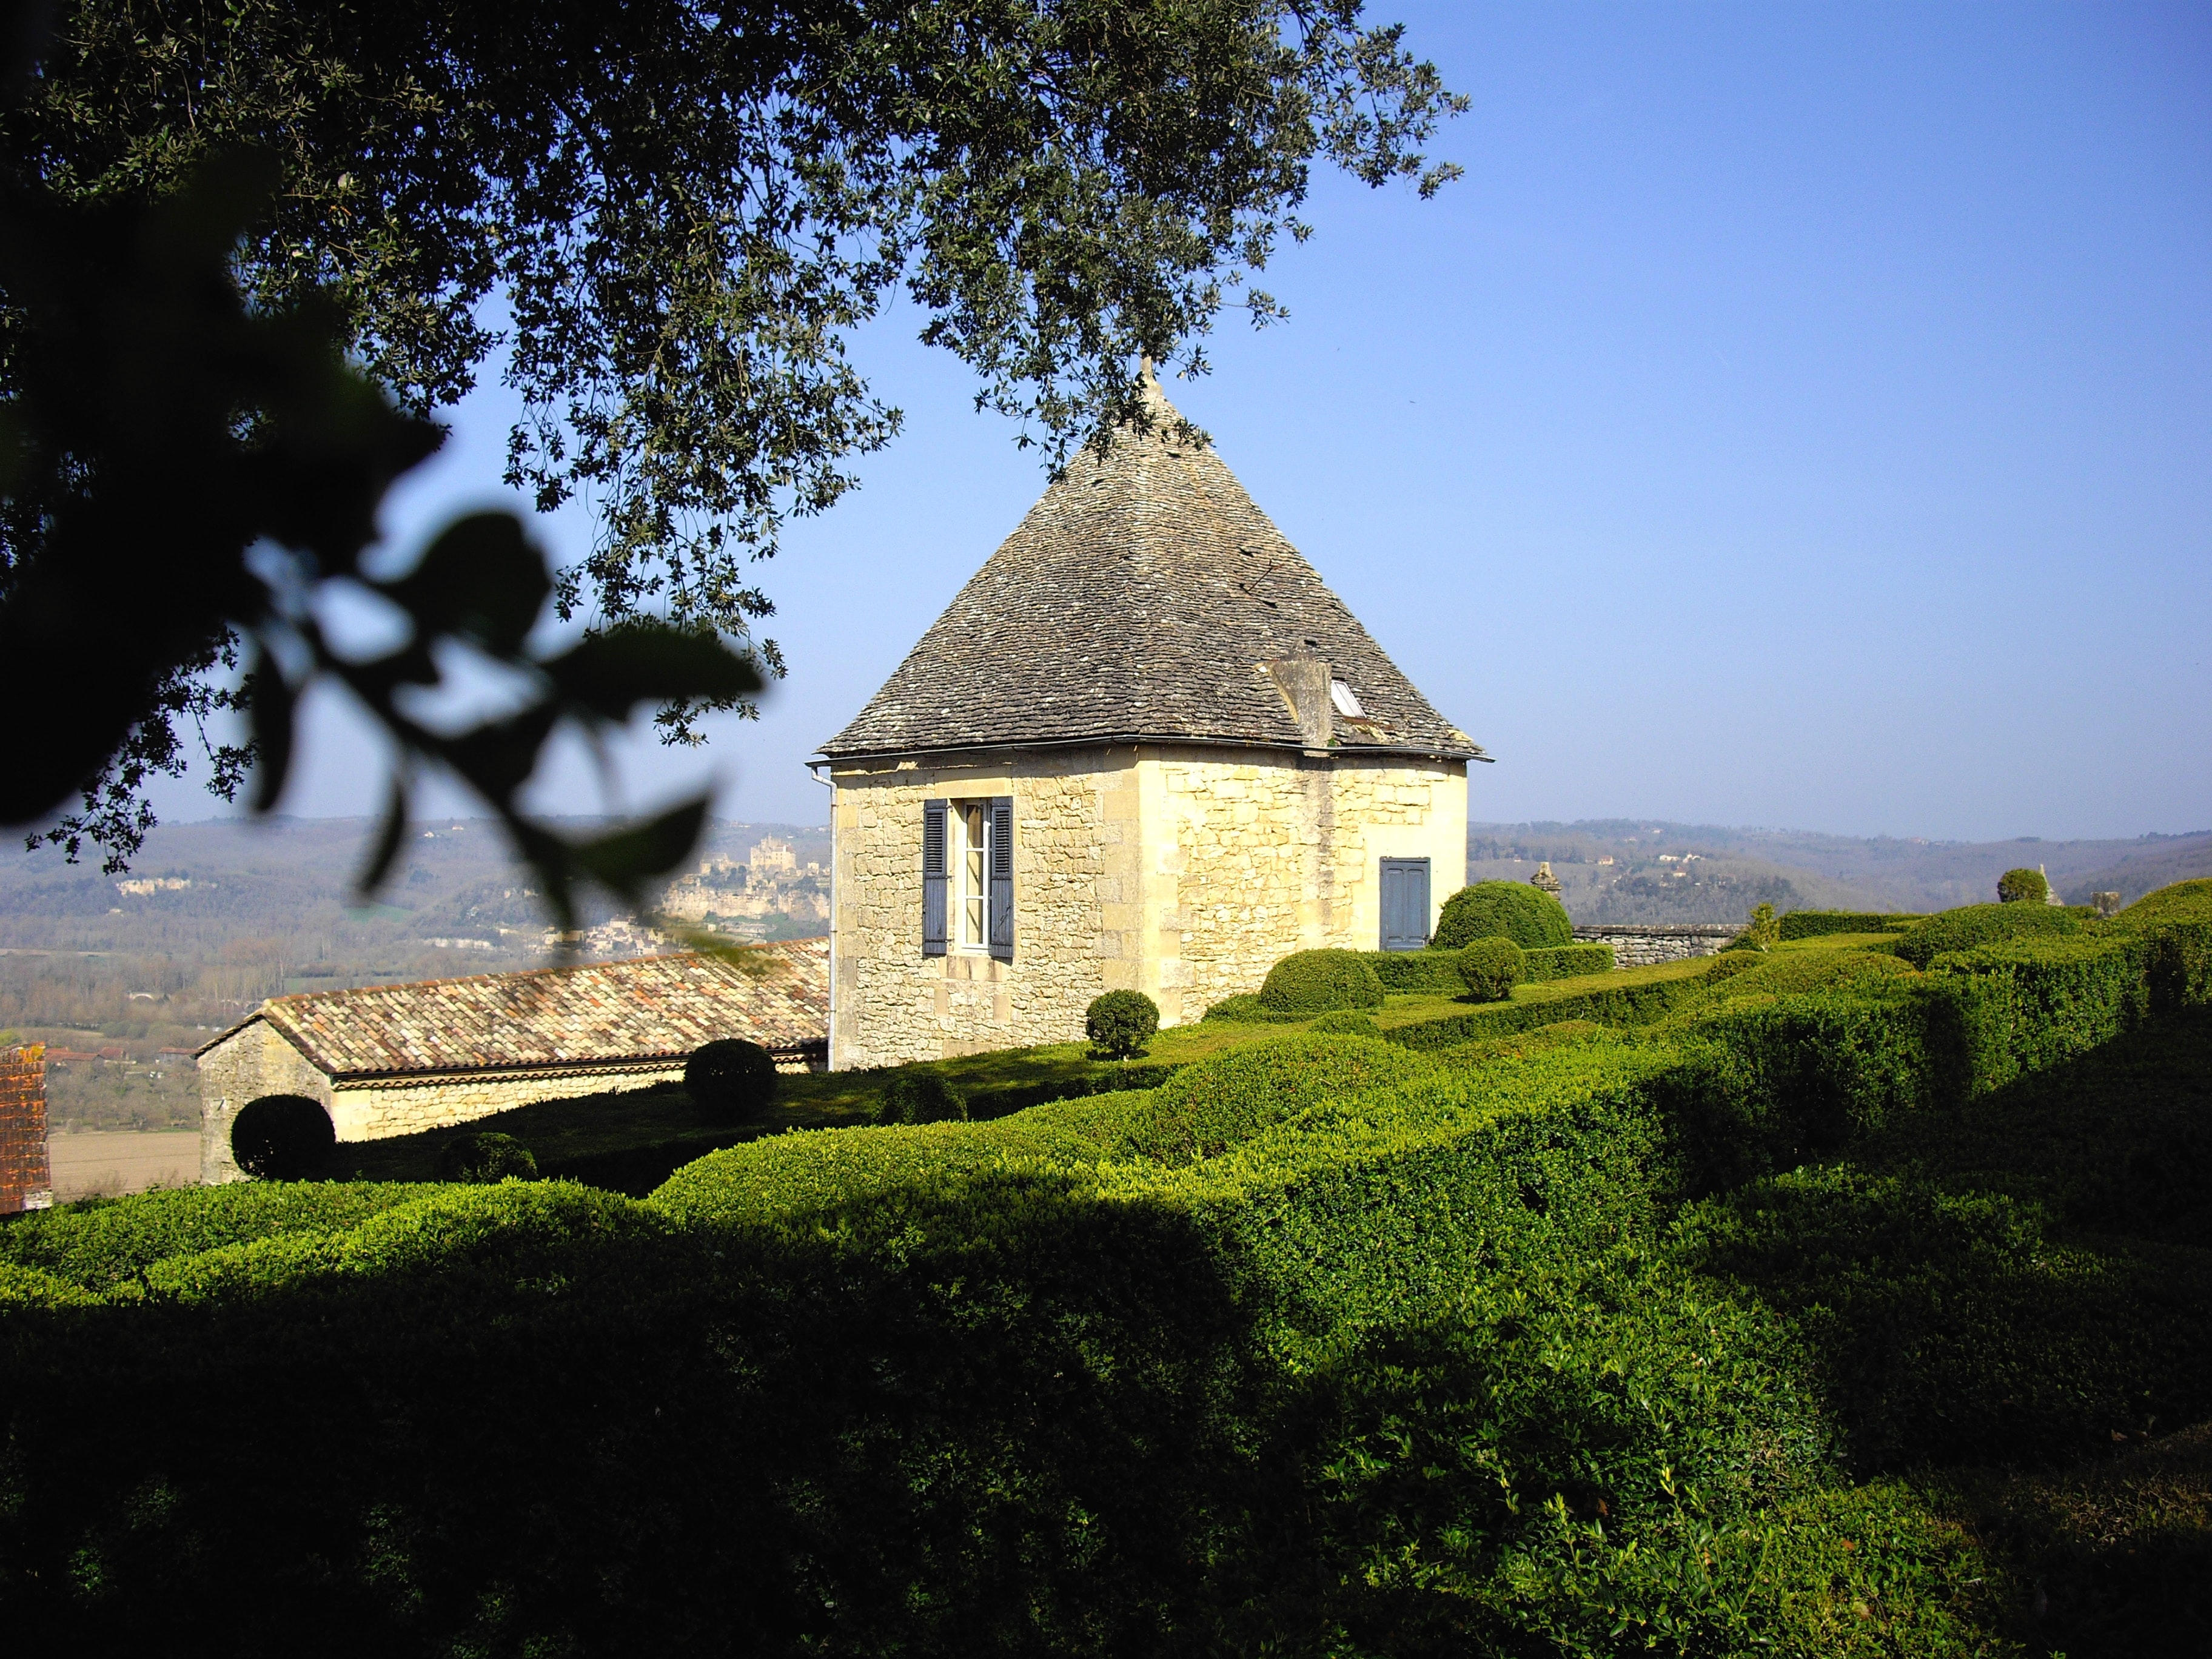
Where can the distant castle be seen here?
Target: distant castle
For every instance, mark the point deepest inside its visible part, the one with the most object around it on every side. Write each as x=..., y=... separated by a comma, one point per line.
x=772, y=883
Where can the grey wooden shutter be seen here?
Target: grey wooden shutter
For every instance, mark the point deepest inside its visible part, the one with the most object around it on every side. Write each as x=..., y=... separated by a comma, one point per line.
x=1405, y=904
x=934, y=884
x=1001, y=907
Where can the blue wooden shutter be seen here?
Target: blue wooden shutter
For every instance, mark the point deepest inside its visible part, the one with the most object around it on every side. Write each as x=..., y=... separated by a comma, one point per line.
x=934, y=885
x=1405, y=904
x=1001, y=907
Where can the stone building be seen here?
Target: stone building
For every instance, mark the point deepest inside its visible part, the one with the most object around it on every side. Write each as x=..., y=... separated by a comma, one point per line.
x=1145, y=748
x=391, y=1059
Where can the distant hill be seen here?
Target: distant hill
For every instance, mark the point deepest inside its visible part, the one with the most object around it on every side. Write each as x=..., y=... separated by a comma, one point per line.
x=1627, y=870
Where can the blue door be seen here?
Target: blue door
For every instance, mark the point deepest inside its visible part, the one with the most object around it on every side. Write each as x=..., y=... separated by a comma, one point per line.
x=1405, y=904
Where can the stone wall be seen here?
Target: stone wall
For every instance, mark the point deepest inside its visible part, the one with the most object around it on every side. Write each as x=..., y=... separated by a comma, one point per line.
x=1184, y=872
x=257, y=1061
x=1640, y=946
x=250, y=1063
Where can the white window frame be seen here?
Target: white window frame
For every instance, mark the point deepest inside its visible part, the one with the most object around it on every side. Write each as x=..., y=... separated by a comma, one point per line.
x=968, y=860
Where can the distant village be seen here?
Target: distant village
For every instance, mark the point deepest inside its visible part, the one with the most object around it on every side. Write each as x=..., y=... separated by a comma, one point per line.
x=769, y=895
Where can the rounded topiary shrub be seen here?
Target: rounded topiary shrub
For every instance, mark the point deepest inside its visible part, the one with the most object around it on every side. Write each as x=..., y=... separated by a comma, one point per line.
x=1120, y=1023
x=282, y=1138
x=2023, y=887
x=1491, y=968
x=1346, y=1022
x=730, y=1079
x=1316, y=982
x=1528, y=915
x=918, y=1096
x=484, y=1157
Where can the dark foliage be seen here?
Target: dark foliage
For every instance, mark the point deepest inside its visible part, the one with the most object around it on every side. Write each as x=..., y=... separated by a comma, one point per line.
x=2023, y=886
x=1119, y=1024
x=282, y=1138
x=683, y=212
x=486, y=1155
x=916, y=1096
x=730, y=1079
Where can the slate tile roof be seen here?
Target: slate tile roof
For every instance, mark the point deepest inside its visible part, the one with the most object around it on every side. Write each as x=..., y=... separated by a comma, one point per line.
x=658, y=1007
x=1136, y=601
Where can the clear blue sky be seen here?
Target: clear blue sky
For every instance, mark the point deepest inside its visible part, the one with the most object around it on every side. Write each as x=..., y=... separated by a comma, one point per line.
x=1797, y=416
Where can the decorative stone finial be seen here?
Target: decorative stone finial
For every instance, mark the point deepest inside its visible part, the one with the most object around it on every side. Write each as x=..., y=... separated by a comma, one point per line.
x=1545, y=879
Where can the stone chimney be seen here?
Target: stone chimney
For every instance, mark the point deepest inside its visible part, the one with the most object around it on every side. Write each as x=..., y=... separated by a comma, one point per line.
x=1303, y=682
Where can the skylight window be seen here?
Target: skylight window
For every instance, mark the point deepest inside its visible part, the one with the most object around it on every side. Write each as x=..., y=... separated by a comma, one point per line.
x=1341, y=695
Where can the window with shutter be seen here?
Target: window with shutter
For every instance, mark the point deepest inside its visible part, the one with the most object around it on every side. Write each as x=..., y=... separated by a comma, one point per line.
x=935, y=883
x=1405, y=904
x=1002, y=879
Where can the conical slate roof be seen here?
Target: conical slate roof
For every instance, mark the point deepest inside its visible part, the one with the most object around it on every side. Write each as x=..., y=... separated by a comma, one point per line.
x=1138, y=601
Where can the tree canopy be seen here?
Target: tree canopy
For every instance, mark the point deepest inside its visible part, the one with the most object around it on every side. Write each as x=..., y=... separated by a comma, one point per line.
x=660, y=223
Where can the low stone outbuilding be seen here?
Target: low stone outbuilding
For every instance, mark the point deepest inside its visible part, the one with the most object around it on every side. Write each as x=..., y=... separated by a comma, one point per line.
x=392, y=1060
x=1145, y=749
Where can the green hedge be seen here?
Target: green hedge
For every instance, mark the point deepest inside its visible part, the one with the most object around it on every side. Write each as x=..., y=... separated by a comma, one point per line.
x=1318, y=981
x=1528, y=915
x=1436, y=970
x=1982, y=924
x=1248, y=1010
x=1323, y=1344
x=2184, y=901
x=102, y=1244
x=1637, y=1003
x=1568, y=961
x=1819, y=924
x=1416, y=970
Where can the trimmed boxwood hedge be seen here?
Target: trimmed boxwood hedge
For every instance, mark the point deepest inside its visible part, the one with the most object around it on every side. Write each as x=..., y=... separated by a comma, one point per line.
x=1528, y=915
x=1317, y=982
x=1982, y=924
x=1428, y=970
x=1491, y=968
x=1248, y=1010
x=1323, y=1344
x=1819, y=924
x=1567, y=962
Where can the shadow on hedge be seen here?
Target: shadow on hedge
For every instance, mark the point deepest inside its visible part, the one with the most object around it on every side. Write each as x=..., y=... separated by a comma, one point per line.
x=2021, y=1279
x=588, y=1432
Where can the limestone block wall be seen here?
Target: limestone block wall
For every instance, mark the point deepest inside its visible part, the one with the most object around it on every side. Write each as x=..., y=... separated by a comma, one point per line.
x=1267, y=854
x=1075, y=852
x=377, y=1110
x=1183, y=872
x=1641, y=946
x=246, y=1066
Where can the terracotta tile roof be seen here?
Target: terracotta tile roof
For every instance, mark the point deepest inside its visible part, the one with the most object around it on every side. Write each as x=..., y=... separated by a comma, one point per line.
x=601, y=1013
x=1138, y=600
